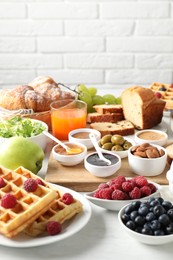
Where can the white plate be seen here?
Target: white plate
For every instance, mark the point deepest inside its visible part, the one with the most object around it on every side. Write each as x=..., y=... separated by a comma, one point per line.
x=116, y=205
x=69, y=228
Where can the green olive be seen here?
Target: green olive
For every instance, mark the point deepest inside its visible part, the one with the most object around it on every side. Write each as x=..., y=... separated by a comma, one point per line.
x=127, y=145
x=117, y=139
x=107, y=146
x=117, y=148
x=106, y=139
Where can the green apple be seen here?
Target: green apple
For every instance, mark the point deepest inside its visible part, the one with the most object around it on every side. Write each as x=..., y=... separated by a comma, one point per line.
x=19, y=151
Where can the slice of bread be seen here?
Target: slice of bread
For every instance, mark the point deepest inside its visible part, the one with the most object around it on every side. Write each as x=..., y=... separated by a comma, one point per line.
x=141, y=107
x=123, y=128
x=111, y=118
x=108, y=109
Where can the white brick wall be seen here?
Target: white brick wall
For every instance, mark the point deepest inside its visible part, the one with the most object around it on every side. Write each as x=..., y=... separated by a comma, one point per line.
x=104, y=43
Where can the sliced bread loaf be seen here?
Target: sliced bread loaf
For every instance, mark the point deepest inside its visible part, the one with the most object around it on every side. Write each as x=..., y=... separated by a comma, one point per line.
x=111, y=117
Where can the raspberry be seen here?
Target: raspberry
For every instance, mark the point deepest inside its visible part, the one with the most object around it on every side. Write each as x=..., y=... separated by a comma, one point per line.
x=118, y=195
x=2, y=182
x=141, y=181
x=116, y=186
x=127, y=186
x=53, y=228
x=135, y=193
x=152, y=187
x=145, y=191
x=40, y=182
x=105, y=193
x=8, y=201
x=103, y=185
x=67, y=198
x=120, y=178
x=30, y=185
x=96, y=194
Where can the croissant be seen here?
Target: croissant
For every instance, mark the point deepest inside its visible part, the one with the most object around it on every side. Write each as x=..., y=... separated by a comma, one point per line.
x=37, y=95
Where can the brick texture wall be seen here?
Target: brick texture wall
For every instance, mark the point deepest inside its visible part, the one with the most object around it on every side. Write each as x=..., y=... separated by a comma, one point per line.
x=103, y=43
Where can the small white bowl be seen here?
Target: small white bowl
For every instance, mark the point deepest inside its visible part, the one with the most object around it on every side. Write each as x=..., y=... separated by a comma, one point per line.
x=70, y=159
x=122, y=154
x=40, y=140
x=116, y=205
x=146, y=239
x=85, y=140
x=146, y=166
x=151, y=136
x=103, y=171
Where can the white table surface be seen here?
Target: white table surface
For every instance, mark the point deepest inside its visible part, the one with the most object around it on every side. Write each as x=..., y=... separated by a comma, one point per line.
x=102, y=238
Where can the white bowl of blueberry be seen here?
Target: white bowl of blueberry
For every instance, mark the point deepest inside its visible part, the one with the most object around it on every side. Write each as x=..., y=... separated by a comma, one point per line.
x=149, y=222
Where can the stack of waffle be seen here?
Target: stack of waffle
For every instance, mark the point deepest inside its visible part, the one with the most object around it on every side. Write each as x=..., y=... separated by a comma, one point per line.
x=33, y=209
x=164, y=92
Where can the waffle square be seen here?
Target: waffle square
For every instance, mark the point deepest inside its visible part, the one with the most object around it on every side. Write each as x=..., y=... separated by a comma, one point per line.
x=166, y=91
x=58, y=211
x=29, y=204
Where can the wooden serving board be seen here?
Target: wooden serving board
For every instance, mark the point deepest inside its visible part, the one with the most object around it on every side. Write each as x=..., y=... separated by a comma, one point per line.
x=79, y=179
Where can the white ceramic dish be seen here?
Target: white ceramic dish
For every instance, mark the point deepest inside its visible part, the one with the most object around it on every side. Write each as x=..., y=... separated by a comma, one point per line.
x=146, y=239
x=70, y=227
x=116, y=205
x=146, y=166
x=122, y=154
x=72, y=159
x=162, y=141
x=40, y=139
x=86, y=141
x=102, y=171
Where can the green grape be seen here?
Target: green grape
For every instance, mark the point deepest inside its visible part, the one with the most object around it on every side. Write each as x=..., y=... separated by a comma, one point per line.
x=84, y=96
x=109, y=98
x=92, y=91
x=118, y=100
x=82, y=88
x=97, y=100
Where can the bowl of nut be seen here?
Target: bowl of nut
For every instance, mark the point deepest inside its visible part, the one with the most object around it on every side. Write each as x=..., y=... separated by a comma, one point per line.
x=121, y=191
x=147, y=160
x=149, y=222
x=116, y=143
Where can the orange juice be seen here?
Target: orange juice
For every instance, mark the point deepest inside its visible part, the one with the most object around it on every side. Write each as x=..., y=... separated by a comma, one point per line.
x=65, y=120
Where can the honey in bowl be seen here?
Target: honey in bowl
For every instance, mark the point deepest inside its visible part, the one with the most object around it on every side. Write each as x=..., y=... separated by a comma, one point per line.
x=75, y=149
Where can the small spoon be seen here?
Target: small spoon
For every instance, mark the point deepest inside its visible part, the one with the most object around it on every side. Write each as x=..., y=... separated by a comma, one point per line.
x=66, y=147
x=94, y=141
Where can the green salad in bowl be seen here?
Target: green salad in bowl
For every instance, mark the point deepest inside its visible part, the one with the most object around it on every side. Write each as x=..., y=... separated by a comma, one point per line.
x=25, y=127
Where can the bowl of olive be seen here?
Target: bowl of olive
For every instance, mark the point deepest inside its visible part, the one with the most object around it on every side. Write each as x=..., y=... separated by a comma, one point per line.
x=116, y=143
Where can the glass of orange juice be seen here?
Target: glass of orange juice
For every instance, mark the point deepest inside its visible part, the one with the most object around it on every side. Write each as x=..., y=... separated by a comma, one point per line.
x=67, y=115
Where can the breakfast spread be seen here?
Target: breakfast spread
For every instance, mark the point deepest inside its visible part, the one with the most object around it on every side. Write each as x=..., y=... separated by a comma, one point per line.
x=164, y=92
x=74, y=149
x=150, y=135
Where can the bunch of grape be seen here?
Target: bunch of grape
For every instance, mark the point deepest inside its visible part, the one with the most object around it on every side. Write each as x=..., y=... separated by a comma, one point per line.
x=89, y=95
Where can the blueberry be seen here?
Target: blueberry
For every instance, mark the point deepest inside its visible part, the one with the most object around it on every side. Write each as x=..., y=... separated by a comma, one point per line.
x=154, y=203
x=133, y=215
x=158, y=210
x=125, y=218
x=129, y=208
x=140, y=220
x=170, y=213
x=162, y=89
x=143, y=210
x=138, y=229
x=164, y=219
x=150, y=216
x=169, y=228
x=167, y=205
x=155, y=224
x=136, y=204
x=147, y=231
x=130, y=224
x=159, y=232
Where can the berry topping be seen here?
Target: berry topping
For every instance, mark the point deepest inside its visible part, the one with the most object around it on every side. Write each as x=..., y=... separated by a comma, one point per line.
x=8, y=201
x=162, y=89
x=30, y=185
x=67, y=198
x=2, y=182
x=40, y=182
x=158, y=95
x=53, y=228
x=171, y=86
